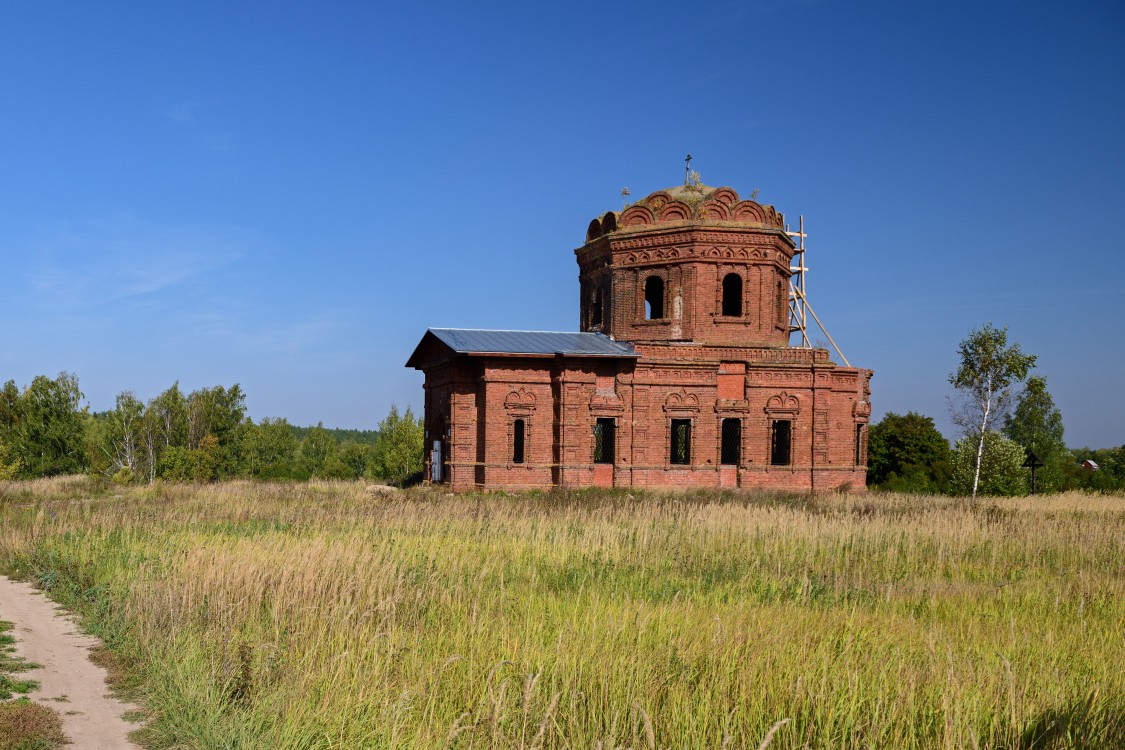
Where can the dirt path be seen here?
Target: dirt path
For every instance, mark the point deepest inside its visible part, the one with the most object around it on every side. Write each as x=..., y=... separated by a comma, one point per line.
x=68, y=681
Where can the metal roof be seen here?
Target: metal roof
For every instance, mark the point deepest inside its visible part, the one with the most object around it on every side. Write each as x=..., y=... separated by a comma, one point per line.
x=469, y=341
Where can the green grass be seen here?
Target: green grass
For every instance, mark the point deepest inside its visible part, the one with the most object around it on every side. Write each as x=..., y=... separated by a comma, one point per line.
x=11, y=664
x=314, y=616
x=23, y=725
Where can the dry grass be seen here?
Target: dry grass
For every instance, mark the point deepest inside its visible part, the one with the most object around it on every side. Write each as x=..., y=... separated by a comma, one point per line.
x=316, y=616
x=29, y=726
x=23, y=725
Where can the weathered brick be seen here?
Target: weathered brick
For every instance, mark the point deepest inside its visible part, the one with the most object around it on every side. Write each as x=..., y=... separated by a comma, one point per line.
x=719, y=349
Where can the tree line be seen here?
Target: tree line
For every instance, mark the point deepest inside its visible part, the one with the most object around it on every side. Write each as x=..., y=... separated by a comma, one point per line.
x=1003, y=426
x=202, y=436
x=1006, y=414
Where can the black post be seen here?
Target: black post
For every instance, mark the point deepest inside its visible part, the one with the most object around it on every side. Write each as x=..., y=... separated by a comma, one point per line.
x=1032, y=462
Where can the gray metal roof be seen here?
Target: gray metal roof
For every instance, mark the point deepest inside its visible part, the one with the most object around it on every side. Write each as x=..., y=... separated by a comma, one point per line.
x=469, y=341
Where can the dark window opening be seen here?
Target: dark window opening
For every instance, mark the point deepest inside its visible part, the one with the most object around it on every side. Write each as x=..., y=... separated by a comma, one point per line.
x=681, y=441
x=732, y=295
x=859, y=445
x=654, y=298
x=732, y=441
x=596, y=309
x=604, y=430
x=517, y=442
x=779, y=442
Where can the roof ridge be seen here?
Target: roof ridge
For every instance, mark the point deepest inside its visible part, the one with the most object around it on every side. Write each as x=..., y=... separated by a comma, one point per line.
x=517, y=330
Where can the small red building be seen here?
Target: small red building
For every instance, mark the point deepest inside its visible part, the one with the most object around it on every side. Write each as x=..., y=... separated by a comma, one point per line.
x=682, y=375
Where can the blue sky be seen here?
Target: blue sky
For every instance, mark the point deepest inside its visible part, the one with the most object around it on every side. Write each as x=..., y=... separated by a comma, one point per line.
x=287, y=195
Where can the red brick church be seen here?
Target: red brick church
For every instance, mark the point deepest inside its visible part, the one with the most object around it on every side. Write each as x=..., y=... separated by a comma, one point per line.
x=683, y=374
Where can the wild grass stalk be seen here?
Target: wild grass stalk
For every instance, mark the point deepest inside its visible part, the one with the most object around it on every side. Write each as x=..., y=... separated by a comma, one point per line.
x=316, y=616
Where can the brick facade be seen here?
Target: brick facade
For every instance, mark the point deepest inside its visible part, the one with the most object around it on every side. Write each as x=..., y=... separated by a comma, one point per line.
x=697, y=280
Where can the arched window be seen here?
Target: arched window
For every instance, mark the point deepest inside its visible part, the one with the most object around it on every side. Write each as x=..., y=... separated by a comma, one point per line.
x=654, y=298
x=596, y=308
x=732, y=295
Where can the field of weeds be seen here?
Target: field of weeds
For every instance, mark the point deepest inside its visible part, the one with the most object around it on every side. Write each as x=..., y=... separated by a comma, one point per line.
x=317, y=616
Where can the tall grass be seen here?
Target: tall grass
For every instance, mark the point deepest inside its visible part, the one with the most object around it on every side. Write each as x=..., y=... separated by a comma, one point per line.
x=316, y=616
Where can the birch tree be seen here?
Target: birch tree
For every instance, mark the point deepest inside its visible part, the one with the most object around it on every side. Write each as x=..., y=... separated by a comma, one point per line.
x=983, y=382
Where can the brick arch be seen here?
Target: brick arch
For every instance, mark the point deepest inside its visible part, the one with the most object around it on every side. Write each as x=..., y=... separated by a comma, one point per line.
x=725, y=195
x=594, y=230
x=675, y=211
x=748, y=211
x=783, y=403
x=636, y=216
x=714, y=210
x=519, y=399
x=681, y=400
x=658, y=200
x=609, y=222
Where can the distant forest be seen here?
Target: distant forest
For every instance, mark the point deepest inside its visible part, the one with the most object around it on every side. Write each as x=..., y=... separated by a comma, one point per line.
x=205, y=436
x=365, y=437
x=202, y=436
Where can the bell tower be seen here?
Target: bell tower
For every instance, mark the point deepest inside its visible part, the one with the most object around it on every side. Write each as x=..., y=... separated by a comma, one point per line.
x=691, y=264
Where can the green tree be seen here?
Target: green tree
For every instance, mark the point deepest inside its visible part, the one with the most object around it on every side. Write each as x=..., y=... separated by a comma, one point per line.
x=218, y=412
x=45, y=429
x=175, y=464
x=907, y=453
x=315, y=450
x=167, y=415
x=1037, y=425
x=122, y=438
x=269, y=449
x=995, y=469
x=206, y=460
x=398, y=449
x=1110, y=475
x=983, y=382
x=9, y=407
x=353, y=460
x=10, y=464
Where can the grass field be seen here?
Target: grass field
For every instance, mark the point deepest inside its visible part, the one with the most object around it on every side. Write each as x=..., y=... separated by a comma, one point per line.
x=316, y=616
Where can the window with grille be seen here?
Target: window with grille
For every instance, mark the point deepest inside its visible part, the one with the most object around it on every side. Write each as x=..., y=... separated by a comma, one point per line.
x=517, y=441
x=780, y=442
x=681, y=441
x=604, y=436
x=732, y=441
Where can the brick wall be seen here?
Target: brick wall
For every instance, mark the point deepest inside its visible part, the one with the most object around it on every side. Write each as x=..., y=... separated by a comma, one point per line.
x=698, y=363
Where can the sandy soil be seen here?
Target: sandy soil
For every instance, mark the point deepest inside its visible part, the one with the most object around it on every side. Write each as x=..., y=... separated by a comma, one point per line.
x=68, y=681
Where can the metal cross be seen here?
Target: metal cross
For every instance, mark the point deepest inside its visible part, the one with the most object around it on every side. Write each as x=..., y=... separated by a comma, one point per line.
x=687, y=170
